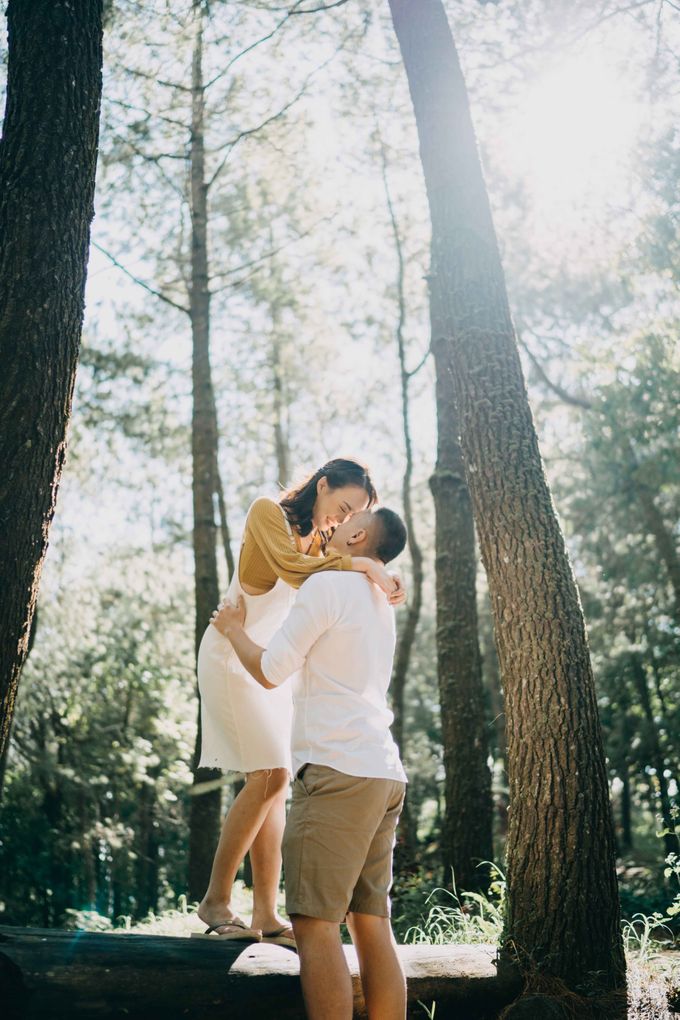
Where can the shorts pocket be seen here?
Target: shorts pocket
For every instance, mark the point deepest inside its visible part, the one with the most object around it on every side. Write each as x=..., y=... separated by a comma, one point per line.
x=308, y=779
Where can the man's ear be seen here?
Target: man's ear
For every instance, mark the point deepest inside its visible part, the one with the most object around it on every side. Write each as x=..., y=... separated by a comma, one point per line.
x=358, y=536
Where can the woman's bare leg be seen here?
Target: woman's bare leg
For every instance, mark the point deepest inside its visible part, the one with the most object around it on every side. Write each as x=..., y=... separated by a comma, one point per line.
x=265, y=859
x=240, y=828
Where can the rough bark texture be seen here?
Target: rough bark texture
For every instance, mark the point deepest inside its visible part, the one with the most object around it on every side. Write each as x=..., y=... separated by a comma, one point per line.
x=562, y=907
x=467, y=829
x=48, y=157
x=56, y=974
x=204, y=818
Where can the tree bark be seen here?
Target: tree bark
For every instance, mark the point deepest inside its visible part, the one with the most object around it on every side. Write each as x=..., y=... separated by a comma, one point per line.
x=204, y=816
x=62, y=975
x=48, y=158
x=468, y=818
x=562, y=904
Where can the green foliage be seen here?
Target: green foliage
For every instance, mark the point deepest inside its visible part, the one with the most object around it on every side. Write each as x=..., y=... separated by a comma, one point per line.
x=452, y=919
x=93, y=814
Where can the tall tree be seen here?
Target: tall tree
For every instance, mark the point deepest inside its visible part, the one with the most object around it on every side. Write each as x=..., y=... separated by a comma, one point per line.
x=562, y=907
x=467, y=825
x=48, y=158
x=205, y=806
x=408, y=821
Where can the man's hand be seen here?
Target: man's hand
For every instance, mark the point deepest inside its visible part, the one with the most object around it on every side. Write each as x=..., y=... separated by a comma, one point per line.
x=228, y=618
x=229, y=621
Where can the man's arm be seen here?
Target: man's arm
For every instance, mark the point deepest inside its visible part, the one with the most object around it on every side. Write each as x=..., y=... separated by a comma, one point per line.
x=229, y=621
x=314, y=611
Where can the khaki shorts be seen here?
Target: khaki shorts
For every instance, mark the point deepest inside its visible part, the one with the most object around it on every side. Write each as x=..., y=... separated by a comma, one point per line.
x=338, y=842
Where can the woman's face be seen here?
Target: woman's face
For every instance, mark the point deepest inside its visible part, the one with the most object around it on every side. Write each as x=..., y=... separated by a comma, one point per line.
x=333, y=506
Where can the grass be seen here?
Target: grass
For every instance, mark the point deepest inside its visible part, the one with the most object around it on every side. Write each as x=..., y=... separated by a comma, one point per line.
x=179, y=921
x=474, y=920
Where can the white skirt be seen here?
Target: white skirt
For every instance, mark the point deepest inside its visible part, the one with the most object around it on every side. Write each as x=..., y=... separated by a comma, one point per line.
x=244, y=727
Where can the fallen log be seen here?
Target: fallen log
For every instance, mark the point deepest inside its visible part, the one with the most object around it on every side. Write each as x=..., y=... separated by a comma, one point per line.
x=54, y=975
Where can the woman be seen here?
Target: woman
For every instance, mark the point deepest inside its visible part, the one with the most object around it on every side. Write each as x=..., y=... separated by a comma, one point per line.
x=247, y=729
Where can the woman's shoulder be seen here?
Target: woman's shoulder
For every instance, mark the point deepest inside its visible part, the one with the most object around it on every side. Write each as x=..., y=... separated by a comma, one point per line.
x=265, y=509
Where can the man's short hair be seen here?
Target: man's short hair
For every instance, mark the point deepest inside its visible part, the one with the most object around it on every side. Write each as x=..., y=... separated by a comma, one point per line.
x=390, y=537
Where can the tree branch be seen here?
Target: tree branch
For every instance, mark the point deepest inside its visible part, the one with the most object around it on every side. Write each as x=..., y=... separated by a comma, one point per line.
x=268, y=255
x=569, y=398
x=140, y=283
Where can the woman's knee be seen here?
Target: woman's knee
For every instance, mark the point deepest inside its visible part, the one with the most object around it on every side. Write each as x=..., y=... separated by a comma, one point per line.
x=273, y=781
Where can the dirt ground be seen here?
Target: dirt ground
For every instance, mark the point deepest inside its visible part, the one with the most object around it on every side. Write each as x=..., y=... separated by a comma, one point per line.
x=654, y=987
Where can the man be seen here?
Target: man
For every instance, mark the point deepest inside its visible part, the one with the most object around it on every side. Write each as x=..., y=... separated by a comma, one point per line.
x=349, y=785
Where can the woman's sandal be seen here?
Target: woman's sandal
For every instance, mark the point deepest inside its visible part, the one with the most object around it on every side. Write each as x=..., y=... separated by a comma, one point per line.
x=280, y=937
x=240, y=932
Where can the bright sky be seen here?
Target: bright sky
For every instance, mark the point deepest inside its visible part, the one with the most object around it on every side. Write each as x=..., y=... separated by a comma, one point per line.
x=569, y=140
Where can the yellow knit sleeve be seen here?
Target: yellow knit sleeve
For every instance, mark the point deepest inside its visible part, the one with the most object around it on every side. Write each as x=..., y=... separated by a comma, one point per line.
x=268, y=528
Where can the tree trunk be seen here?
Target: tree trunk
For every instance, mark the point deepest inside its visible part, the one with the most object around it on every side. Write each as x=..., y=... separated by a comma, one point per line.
x=626, y=842
x=407, y=840
x=280, y=433
x=224, y=523
x=660, y=789
x=562, y=904
x=48, y=158
x=204, y=818
x=281, y=446
x=62, y=975
x=467, y=834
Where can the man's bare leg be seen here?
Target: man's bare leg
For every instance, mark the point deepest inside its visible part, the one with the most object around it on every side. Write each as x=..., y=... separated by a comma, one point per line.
x=241, y=825
x=325, y=978
x=382, y=977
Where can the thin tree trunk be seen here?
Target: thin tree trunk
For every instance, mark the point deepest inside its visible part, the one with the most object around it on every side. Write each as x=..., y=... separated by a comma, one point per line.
x=467, y=834
x=670, y=839
x=204, y=818
x=48, y=158
x=562, y=902
x=626, y=842
x=281, y=446
x=280, y=432
x=626, y=734
x=224, y=523
x=408, y=836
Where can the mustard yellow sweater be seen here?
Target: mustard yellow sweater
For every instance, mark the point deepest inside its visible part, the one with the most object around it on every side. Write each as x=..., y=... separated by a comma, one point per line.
x=268, y=551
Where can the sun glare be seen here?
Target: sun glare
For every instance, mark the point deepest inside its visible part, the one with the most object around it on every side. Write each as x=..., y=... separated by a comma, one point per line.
x=571, y=135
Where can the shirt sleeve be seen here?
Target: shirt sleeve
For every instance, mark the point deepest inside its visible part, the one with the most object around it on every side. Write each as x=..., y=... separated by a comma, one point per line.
x=267, y=525
x=314, y=612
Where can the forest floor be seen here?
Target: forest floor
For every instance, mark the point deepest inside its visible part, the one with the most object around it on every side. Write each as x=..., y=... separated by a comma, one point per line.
x=653, y=976
x=654, y=986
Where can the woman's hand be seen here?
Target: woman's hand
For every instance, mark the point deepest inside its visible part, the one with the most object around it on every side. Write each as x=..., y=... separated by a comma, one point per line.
x=376, y=572
x=398, y=596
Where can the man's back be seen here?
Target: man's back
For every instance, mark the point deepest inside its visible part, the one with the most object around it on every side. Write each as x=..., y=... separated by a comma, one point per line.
x=341, y=634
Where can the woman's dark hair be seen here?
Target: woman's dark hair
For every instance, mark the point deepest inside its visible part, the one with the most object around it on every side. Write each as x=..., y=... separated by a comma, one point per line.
x=298, y=503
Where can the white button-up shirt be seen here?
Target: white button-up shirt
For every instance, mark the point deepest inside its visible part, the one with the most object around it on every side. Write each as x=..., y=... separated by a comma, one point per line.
x=340, y=634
